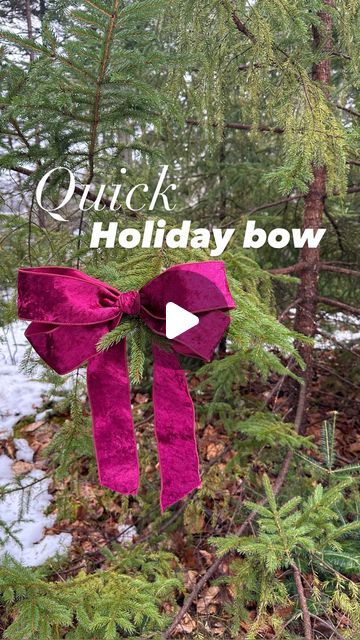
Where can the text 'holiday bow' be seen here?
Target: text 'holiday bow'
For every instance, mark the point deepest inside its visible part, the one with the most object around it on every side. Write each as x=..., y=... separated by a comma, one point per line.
x=70, y=312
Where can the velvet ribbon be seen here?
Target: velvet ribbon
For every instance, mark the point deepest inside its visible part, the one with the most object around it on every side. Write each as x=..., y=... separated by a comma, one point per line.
x=70, y=312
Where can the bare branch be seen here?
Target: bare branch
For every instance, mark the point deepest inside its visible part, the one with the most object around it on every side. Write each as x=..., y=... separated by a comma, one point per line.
x=239, y=126
x=302, y=600
x=337, y=304
x=78, y=190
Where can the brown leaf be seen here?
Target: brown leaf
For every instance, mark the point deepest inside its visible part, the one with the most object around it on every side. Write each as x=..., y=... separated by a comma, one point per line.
x=208, y=557
x=20, y=468
x=187, y=625
x=29, y=428
x=141, y=398
x=207, y=602
x=190, y=579
x=355, y=447
x=213, y=450
x=218, y=629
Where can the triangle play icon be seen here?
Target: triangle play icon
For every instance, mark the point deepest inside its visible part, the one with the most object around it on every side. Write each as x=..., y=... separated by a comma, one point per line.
x=178, y=320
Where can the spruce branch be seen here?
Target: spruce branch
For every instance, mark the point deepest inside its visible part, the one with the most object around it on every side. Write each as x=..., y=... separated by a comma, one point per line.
x=212, y=570
x=99, y=84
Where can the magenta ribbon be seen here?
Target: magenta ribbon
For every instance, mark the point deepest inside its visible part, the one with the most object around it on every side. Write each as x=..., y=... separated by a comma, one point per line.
x=71, y=312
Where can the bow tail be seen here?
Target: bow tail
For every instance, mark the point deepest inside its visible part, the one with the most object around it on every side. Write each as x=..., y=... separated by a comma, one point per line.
x=174, y=428
x=115, y=445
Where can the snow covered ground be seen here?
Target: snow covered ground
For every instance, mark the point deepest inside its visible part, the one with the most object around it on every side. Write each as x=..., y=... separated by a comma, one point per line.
x=19, y=396
x=342, y=329
x=23, y=510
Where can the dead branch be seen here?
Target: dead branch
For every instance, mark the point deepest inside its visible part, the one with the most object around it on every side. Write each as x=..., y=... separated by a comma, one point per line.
x=303, y=603
x=337, y=304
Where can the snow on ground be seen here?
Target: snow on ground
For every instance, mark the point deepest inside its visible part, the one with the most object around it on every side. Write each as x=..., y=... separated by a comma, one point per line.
x=23, y=510
x=342, y=329
x=19, y=396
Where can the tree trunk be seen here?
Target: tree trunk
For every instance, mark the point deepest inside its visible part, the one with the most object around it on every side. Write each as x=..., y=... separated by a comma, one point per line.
x=30, y=33
x=42, y=10
x=305, y=318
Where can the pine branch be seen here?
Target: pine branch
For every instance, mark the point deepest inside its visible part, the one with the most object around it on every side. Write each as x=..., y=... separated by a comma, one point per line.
x=99, y=7
x=276, y=203
x=242, y=529
x=99, y=83
x=334, y=269
x=299, y=267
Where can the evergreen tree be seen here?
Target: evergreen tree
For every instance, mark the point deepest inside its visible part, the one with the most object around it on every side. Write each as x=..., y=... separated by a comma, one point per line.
x=254, y=108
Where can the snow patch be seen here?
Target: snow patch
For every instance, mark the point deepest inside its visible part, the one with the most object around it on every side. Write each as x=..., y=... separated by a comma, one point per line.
x=23, y=507
x=22, y=511
x=23, y=450
x=19, y=395
x=127, y=533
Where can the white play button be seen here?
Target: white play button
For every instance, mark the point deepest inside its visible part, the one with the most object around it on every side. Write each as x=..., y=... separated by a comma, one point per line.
x=178, y=320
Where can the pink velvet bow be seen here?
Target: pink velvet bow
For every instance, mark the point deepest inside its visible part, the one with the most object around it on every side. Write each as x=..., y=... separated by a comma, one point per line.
x=71, y=312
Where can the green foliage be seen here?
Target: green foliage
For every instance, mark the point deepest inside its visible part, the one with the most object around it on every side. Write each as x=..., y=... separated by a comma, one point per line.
x=327, y=465
x=124, y=601
x=300, y=531
x=268, y=429
x=111, y=85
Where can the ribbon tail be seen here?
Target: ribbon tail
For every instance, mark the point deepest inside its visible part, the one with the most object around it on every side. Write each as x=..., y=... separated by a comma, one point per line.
x=174, y=428
x=113, y=429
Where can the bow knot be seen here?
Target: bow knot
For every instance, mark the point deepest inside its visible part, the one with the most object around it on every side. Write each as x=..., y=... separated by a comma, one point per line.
x=70, y=312
x=129, y=303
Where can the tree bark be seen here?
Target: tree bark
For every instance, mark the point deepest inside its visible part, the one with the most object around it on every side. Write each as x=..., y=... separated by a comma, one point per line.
x=30, y=33
x=42, y=9
x=305, y=317
x=302, y=600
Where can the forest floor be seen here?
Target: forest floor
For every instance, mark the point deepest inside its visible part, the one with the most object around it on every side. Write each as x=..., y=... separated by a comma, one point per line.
x=94, y=522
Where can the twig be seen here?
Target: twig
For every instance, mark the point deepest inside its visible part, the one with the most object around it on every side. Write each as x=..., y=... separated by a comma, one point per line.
x=327, y=625
x=302, y=600
x=349, y=110
x=78, y=190
x=338, y=305
x=284, y=313
x=294, y=268
x=335, y=226
x=251, y=517
x=239, y=126
x=330, y=267
x=99, y=83
x=294, y=198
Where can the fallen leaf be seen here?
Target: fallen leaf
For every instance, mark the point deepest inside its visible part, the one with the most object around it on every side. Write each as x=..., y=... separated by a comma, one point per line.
x=20, y=468
x=207, y=602
x=29, y=428
x=187, y=625
x=190, y=579
x=214, y=449
x=141, y=398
